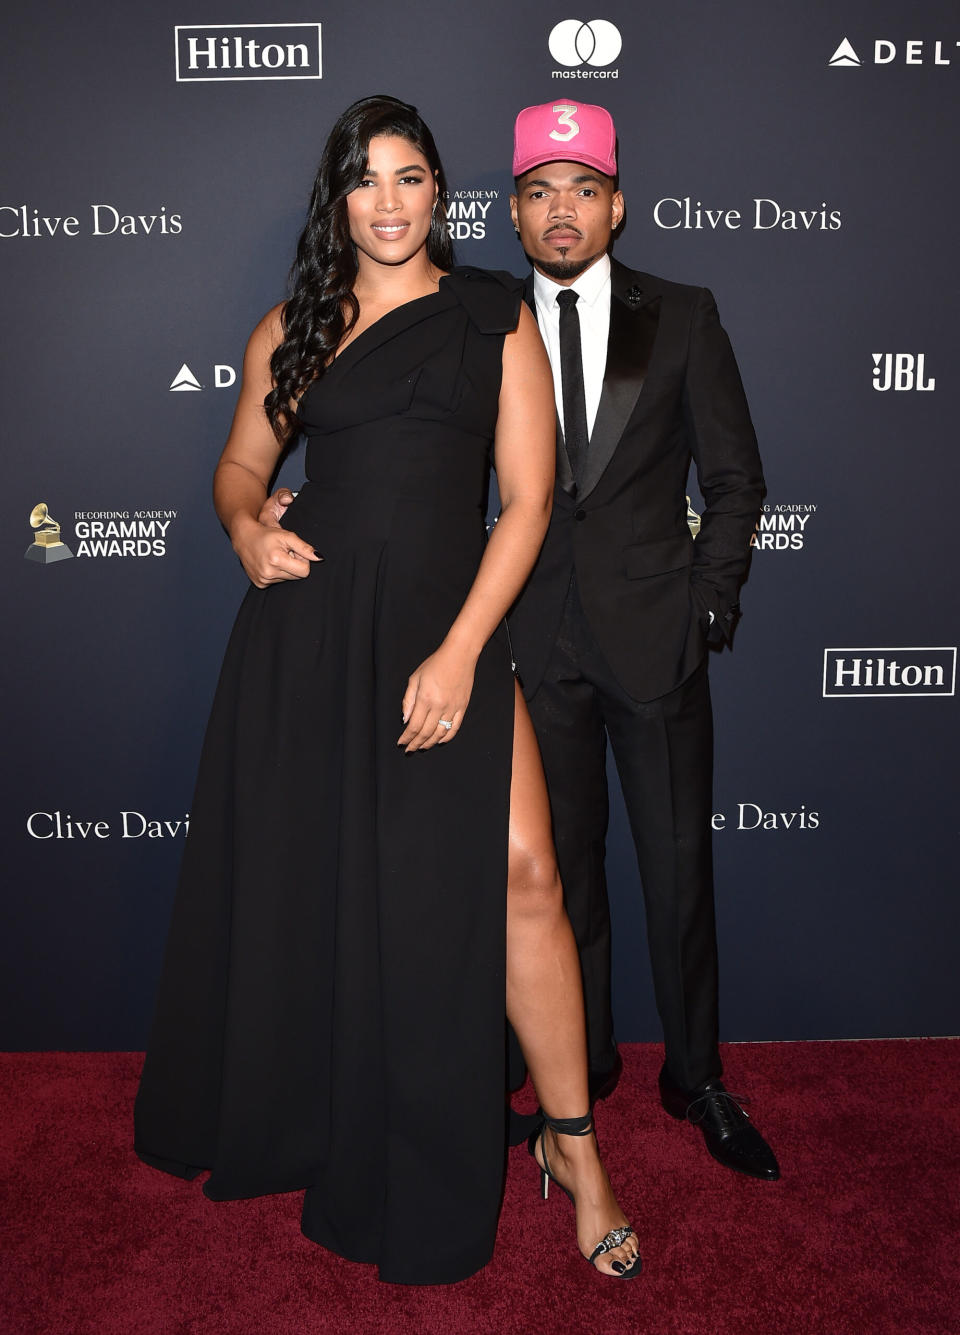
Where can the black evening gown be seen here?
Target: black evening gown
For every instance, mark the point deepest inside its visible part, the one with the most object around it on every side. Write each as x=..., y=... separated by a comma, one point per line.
x=331, y=1010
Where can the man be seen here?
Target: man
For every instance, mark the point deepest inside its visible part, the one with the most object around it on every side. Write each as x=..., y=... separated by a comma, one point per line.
x=611, y=632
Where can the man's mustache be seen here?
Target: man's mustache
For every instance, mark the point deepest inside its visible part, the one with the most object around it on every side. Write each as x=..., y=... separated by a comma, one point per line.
x=563, y=227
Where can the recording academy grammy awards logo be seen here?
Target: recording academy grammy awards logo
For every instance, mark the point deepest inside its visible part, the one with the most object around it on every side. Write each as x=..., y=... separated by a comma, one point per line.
x=783, y=526
x=467, y=212
x=101, y=533
x=594, y=44
x=47, y=545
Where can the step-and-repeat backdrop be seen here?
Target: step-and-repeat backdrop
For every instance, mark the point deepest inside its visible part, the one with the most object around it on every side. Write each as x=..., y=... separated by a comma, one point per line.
x=800, y=160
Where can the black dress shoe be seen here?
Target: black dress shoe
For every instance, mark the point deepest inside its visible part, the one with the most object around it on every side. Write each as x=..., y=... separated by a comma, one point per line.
x=730, y=1136
x=602, y=1083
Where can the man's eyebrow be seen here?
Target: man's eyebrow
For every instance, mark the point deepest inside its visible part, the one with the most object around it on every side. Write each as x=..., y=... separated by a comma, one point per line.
x=576, y=180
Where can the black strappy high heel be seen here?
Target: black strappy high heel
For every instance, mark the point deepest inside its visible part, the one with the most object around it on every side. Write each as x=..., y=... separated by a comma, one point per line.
x=578, y=1126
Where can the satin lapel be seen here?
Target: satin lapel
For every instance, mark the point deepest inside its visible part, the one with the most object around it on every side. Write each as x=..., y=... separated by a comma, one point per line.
x=564, y=471
x=632, y=332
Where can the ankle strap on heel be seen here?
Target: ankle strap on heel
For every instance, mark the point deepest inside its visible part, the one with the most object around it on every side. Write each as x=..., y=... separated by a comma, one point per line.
x=570, y=1126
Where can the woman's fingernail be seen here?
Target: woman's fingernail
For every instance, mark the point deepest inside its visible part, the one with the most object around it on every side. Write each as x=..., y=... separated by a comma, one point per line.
x=618, y=1266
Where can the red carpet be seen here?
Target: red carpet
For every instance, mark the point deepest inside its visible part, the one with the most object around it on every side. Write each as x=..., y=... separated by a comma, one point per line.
x=860, y=1236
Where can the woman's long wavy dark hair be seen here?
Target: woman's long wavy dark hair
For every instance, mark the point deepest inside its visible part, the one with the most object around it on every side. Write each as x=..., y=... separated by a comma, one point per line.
x=322, y=308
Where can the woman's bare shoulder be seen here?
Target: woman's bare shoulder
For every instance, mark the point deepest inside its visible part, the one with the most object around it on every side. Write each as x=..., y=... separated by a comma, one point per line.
x=523, y=347
x=268, y=333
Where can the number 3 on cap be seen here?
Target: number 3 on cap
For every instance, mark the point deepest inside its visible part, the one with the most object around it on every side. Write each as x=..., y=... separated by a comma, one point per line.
x=564, y=115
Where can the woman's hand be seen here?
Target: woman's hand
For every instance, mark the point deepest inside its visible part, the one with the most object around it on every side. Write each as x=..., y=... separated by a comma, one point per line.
x=269, y=553
x=440, y=688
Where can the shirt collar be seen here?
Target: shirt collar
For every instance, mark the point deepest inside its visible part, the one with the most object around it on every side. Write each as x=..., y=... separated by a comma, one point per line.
x=588, y=286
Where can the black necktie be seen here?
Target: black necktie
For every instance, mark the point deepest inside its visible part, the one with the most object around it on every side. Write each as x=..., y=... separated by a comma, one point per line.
x=571, y=381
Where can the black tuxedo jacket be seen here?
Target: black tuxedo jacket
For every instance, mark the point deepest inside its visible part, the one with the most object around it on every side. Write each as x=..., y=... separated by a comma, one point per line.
x=671, y=391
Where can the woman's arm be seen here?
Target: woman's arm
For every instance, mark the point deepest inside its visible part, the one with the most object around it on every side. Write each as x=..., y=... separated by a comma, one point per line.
x=268, y=553
x=525, y=455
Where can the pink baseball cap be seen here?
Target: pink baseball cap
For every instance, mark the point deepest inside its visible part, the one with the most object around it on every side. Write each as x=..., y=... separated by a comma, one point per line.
x=565, y=132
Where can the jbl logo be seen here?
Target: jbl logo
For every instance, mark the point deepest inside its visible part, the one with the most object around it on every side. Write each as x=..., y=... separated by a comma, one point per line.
x=900, y=370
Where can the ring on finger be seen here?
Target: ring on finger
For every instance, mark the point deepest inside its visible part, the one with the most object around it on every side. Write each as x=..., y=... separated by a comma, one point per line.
x=445, y=723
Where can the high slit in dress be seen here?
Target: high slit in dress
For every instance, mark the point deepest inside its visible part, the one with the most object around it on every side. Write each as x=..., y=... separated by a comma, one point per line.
x=331, y=1009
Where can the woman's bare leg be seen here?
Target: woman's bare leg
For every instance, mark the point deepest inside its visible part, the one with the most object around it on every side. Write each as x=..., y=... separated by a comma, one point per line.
x=545, y=996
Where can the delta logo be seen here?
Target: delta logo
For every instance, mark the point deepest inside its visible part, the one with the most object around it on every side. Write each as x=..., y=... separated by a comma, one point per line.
x=185, y=382
x=887, y=52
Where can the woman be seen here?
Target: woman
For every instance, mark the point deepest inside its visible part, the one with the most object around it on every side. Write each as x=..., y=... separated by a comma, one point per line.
x=370, y=866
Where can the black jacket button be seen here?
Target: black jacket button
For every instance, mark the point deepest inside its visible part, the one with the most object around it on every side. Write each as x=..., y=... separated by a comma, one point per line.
x=579, y=514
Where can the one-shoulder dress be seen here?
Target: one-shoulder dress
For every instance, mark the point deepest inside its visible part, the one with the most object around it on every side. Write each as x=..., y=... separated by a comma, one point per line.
x=331, y=1008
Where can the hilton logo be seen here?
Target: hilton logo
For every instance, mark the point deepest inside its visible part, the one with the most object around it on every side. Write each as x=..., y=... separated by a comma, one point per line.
x=887, y=672
x=248, y=51
x=900, y=370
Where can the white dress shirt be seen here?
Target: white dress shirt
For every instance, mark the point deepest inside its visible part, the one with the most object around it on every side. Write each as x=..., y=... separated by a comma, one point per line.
x=593, y=307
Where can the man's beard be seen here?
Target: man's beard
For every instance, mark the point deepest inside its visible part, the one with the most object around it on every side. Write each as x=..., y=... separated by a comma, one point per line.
x=562, y=269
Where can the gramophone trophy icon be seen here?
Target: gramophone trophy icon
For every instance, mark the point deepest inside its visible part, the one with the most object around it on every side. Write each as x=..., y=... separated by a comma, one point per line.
x=47, y=545
x=693, y=520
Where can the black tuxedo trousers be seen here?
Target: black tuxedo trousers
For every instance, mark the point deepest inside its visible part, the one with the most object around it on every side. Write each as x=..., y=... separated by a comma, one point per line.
x=663, y=750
